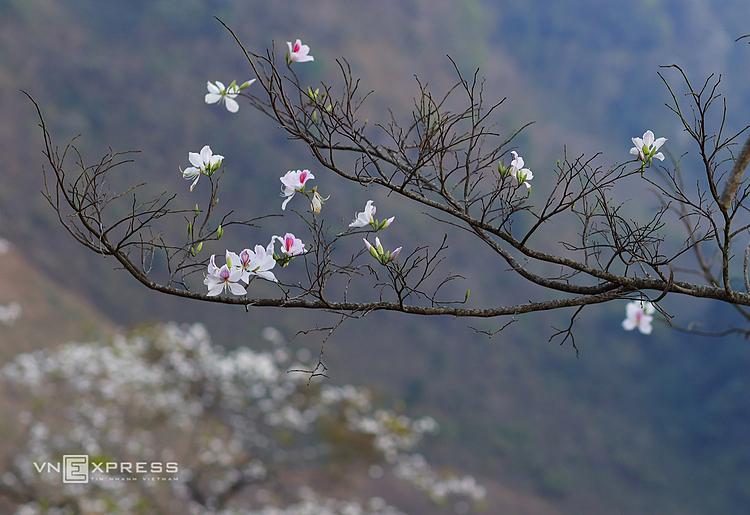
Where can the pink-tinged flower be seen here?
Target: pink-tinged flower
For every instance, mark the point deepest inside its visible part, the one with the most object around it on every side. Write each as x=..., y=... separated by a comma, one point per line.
x=219, y=280
x=241, y=261
x=258, y=262
x=292, y=182
x=639, y=314
x=290, y=245
x=367, y=217
x=298, y=53
x=647, y=148
x=379, y=253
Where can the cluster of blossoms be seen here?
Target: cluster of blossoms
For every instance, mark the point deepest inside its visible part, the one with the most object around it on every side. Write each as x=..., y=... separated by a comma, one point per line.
x=239, y=268
x=227, y=418
x=248, y=263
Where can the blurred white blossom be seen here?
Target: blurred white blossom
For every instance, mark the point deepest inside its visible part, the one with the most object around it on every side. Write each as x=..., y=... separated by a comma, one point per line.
x=639, y=314
x=169, y=393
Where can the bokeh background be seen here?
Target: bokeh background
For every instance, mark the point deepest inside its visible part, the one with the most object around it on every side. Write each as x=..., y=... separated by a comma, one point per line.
x=633, y=424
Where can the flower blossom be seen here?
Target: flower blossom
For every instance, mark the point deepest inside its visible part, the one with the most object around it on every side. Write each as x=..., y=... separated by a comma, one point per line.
x=263, y=262
x=298, y=53
x=259, y=262
x=204, y=163
x=379, y=253
x=290, y=245
x=293, y=182
x=647, y=148
x=639, y=314
x=218, y=93
x=242, y=262
x=219, y=280
x=518, y=172
x=367, y=217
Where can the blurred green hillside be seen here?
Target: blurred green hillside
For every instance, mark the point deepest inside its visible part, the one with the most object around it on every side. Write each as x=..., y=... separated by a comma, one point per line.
x=633, y=425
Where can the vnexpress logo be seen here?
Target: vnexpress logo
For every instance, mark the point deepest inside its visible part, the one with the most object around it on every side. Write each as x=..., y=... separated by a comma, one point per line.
x=78, y=468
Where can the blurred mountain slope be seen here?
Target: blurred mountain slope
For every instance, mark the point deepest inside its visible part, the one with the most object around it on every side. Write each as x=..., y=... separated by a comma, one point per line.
x=50, y=314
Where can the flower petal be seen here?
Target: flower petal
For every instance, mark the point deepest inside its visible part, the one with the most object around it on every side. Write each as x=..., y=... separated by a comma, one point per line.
x=206, y=155
x=232, y=105
x=237, y=288
x=648, y=138
x=195, y=159
x=212, y=98
x=268, y=276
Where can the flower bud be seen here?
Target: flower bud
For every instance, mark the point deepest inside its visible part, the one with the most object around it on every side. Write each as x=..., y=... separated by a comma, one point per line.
x=316, y=204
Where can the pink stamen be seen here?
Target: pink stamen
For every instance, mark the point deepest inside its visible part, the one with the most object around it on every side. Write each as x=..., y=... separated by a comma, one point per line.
x=303, y=177
x=297, y=47
x=288, y=242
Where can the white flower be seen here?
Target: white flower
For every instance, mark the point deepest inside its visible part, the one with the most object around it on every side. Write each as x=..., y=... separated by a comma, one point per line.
x=517, y=170
x=218, y=93
x=262, y=262
x=639, y=314
x=292, y=182
x=378, y=252
x=647, y=148
x=205, y=163
x=218, y=280
x=298, y=53
x=241, y=262
x=290, y=245
x=367, y=217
